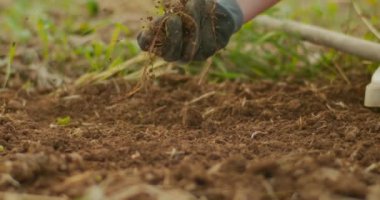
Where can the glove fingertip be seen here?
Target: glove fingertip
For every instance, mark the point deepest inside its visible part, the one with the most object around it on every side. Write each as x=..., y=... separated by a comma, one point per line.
x=173, y=44
x=144, y=40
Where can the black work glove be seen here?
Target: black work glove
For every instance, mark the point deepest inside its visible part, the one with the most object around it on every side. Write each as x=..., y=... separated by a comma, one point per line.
x=192, y=31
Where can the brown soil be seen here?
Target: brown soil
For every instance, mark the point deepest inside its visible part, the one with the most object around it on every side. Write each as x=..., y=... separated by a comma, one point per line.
x=264, y=140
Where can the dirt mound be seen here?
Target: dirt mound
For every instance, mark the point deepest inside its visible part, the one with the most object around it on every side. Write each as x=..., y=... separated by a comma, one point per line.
x=264, y=140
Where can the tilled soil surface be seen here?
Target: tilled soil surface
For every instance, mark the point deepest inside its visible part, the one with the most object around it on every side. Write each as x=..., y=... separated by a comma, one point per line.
x=181, y=140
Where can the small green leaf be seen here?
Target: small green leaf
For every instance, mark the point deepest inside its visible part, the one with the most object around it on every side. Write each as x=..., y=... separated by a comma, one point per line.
x=93, y=7
x=64, y=121
x=11, y=55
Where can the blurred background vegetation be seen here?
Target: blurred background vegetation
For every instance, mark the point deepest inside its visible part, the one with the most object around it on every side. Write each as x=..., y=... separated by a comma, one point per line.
x=47, y=43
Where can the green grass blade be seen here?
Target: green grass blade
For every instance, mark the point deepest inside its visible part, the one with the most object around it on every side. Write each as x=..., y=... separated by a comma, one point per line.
x=11, y=55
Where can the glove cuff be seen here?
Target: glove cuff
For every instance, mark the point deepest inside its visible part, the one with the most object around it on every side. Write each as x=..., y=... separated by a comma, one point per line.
x=234, y=10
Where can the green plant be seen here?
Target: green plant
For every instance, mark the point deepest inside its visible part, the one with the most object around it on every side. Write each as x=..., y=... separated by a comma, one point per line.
x=92, y=7
x=63, y=121
x=11, y=55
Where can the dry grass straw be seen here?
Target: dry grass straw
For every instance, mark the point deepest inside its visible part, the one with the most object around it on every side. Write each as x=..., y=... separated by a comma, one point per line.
x=151, y=68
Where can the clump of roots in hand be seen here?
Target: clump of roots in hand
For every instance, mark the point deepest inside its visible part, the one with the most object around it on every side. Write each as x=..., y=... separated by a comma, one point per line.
x=189, y=25
x=191, y=33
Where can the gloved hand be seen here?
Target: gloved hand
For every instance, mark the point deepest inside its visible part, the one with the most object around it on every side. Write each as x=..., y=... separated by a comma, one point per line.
x=193, y=30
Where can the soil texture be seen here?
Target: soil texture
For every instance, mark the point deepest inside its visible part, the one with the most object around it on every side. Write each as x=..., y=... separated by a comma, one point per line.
x=182, y=140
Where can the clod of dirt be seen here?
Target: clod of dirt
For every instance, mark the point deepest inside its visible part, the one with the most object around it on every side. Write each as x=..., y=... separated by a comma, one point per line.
x=153, y=177
x=170, y=80
x=191, y=117
x=14, y=104
x=5, y=119
x=327, y=159
x=73, y=185
x=351, y=133
x=26, y=167
x=264, y=167
x=234, y=165
x=374, y=192
x=350, y=186
x=294, y=104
